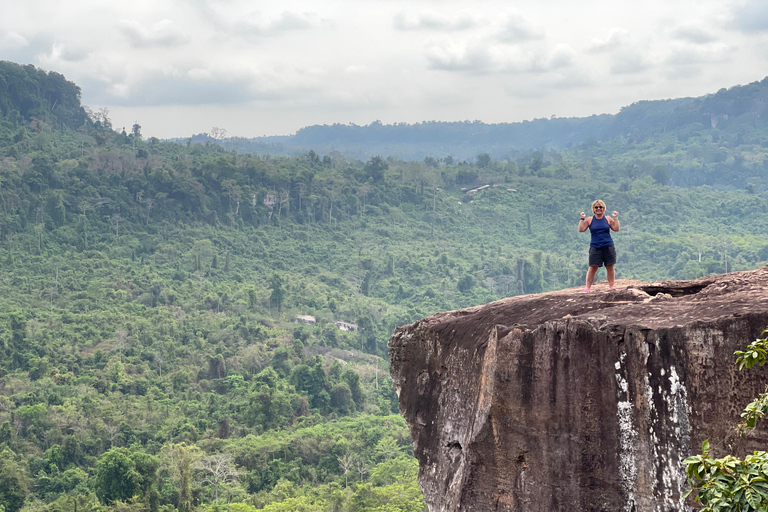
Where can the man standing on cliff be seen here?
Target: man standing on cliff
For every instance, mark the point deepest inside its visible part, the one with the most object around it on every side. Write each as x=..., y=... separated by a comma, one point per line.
x=601, y=248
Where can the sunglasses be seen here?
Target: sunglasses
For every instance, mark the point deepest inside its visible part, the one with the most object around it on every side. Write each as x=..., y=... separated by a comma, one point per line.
x=599, y=207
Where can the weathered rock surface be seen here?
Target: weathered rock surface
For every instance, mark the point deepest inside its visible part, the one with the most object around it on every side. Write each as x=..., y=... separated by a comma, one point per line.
x=566, y=401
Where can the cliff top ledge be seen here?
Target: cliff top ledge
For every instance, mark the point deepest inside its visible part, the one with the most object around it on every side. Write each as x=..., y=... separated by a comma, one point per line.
x=650, y=304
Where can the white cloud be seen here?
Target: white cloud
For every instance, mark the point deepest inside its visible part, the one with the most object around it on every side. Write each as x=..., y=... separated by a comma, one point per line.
x=561, y=56
x=26, y=48
x=685, y=63
x=516, y=28
x=543, y=86
x=61, y=52
x=460, y=57
x=161, y=34
x=611, y=40
x=259, y=24
x=73, y=54
x=435, y=21
x=219, y=84
x=355, y=69
x=751, y=16
x=574, y=79
x=191, y=87
x=479, y=57
x=694, y=34
x=13, y=41
x=687, y=57
x=685, y=72
x=526, y=90
x=630, y=62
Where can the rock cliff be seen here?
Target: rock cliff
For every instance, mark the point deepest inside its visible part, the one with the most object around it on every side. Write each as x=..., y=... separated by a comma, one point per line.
x=566, y=401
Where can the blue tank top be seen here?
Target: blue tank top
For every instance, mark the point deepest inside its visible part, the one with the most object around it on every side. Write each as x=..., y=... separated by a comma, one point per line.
x=601, y=233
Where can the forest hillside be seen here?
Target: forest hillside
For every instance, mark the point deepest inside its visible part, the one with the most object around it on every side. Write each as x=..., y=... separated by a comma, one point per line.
x=189, y=327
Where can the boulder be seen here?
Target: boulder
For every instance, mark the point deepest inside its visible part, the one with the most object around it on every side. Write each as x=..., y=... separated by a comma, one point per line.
x=566, y=401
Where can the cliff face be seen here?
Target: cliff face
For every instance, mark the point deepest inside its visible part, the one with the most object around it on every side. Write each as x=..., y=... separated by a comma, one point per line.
x=579, y=402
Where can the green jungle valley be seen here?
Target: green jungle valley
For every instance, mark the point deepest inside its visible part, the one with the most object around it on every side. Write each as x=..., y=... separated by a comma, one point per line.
x=186, y=326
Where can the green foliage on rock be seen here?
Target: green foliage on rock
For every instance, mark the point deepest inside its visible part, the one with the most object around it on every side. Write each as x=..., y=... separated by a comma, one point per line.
x=730, y=484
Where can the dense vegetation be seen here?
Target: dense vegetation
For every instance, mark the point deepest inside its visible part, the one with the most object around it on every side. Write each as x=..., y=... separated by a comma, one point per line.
x=149, y=357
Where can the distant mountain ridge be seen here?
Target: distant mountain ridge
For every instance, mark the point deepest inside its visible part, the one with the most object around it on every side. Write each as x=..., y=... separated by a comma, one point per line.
x=740, y=108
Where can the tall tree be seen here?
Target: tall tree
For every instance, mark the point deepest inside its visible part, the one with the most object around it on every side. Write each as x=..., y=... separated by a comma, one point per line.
x=216, y=470
x=116, y=476
x=179, y=460
x=13, y=483
x=278, y=294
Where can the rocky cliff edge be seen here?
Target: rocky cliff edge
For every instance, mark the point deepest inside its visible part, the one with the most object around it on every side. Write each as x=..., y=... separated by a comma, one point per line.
x=567, y=401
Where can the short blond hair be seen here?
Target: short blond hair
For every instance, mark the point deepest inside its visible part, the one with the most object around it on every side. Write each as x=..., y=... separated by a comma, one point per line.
x=598, y=202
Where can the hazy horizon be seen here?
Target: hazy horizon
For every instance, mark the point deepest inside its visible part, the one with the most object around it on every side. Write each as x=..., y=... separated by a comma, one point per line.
x=180, y=68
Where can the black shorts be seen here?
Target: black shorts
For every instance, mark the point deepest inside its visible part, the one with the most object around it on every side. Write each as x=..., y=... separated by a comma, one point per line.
x=599, y=256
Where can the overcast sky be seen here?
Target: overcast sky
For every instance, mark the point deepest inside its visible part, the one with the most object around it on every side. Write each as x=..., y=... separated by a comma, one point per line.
x=269, y=68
